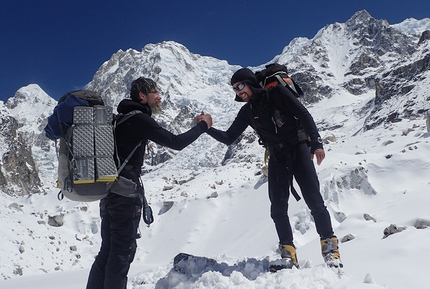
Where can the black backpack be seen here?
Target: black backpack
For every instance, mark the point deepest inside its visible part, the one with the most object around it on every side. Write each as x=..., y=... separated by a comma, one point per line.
x=275, y=74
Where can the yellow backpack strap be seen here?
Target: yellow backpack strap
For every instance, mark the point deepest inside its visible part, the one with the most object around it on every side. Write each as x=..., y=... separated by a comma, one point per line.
x=266, y=157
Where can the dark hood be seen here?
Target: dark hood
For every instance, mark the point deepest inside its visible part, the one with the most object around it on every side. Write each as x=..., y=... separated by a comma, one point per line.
x=127, y=105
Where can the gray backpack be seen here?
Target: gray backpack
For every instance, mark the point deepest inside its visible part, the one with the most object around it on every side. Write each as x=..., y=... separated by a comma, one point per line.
x=87, y=169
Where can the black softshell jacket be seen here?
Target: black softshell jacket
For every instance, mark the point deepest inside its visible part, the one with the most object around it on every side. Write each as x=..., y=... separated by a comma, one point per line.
x=258, y=113
x=141, y=127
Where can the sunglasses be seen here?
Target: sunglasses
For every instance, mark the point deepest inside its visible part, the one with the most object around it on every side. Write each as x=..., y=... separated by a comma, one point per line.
x=239, y=87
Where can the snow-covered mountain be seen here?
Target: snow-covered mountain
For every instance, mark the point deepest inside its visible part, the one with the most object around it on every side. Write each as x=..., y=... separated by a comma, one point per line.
x=366, y=84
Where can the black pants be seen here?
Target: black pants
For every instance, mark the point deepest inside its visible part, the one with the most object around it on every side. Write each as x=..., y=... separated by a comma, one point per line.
x=119, y=231
x=282, y=164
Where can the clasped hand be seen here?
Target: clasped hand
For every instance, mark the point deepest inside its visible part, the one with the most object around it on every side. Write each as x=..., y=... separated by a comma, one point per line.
x=205, y=117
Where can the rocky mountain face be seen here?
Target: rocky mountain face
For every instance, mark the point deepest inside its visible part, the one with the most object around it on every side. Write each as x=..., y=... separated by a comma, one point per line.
x=25, y=150
x=18, y=162
x=366, y=54
x=360, y=57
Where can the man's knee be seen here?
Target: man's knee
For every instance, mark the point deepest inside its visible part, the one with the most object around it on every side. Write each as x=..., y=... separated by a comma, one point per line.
x=278, y=213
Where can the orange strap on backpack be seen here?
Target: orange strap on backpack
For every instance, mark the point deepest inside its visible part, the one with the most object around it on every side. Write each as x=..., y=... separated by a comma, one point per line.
x=276, y=82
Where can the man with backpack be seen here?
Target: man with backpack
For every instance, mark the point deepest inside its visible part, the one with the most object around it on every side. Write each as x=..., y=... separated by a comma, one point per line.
x=292, y=150
x=121, y=215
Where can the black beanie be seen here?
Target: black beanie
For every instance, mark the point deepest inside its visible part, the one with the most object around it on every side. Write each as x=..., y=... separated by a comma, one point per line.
x=245, y=75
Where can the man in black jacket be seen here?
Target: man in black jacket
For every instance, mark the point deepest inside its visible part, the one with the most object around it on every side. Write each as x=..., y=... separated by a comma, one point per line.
x=121, y=215
x=280, y=132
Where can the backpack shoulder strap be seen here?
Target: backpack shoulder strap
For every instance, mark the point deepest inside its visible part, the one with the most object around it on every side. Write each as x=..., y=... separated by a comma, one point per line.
x=123, y=117
x=128, y=157
x=118, y=120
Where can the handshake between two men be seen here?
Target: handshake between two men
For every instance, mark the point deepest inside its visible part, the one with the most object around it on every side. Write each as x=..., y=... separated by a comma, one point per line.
x=204, y=117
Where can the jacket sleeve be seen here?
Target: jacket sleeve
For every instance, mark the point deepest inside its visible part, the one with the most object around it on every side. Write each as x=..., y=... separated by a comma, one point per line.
x=238, y=126
x=151, y=130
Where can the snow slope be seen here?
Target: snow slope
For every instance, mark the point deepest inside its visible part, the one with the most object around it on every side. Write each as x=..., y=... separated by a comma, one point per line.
x=223, y=213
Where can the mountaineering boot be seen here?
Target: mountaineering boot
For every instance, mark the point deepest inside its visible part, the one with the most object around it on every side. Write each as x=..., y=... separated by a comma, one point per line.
x=288, y=261
x=330, y=252
x=288, y=253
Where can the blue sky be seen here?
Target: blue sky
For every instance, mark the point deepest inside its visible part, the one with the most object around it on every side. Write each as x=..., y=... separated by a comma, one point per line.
x=61, y=44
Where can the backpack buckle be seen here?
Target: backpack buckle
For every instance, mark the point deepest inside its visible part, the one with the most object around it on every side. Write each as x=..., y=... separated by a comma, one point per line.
x=280, y=145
